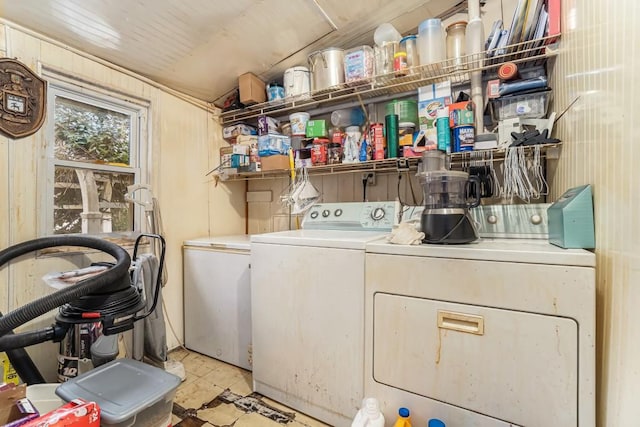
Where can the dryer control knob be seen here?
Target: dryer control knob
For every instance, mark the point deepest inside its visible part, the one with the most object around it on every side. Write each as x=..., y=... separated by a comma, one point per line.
x=492, y=219
x=326, y=213
x=314, y=215
x=377, y=214
x=338, y=212
x=536, y=219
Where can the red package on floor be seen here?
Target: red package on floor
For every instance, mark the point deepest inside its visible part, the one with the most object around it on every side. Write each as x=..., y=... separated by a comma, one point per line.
x=78, y=413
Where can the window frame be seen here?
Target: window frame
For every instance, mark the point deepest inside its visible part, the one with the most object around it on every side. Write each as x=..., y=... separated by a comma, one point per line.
x=80, y=91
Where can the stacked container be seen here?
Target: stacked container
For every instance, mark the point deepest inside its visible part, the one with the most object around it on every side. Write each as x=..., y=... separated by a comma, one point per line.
x=431, y=42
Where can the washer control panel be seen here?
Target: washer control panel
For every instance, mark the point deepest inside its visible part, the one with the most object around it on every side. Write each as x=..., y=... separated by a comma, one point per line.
x=350, y=216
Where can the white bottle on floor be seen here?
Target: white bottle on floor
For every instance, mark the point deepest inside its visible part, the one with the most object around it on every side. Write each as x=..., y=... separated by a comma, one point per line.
x=369, y=414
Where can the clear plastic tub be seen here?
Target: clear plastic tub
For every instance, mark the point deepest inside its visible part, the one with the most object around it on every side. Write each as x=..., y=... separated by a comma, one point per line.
x=128, y=392
x=43, y=397
x=358, y=64
x=527, y=106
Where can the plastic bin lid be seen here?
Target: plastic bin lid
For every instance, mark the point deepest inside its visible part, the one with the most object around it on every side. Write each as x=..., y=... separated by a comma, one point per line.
x=122, y=388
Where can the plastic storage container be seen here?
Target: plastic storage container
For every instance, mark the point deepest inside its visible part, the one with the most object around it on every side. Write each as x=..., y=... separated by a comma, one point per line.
x=347, y=117
x=43, y=397
x=431, y=42
x=298, y=122
x=409, y=44
x=128, y=392
x=527, y=106
x=456, y=44
x=358, y=64
x=407, y=110
x=297, y=83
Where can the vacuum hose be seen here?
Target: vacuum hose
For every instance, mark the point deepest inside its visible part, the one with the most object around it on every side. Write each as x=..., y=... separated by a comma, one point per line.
x=114, y=279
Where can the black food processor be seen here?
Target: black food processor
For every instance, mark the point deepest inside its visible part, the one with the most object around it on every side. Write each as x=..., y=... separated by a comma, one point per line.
x=448, y=196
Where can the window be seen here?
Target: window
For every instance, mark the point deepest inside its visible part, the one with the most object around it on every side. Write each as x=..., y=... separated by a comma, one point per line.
x=94, y=151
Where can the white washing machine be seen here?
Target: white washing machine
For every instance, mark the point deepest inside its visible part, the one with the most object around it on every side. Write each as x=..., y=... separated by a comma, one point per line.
x=217, y=298
x=499, y=332
x=307, y=293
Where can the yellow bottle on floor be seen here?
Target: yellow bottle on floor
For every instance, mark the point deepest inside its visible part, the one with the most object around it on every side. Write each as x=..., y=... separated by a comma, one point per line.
x=9, y=374
x=404, y=418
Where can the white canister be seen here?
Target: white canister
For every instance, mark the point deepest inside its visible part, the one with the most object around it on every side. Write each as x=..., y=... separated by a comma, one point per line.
x=297, y=83
x=298, y=123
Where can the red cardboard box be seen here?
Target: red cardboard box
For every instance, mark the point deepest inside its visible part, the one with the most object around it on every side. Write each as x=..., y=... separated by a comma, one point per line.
x=78, y=412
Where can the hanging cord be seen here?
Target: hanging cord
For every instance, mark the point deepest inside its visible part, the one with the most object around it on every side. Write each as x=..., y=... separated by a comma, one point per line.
x=364, y=186
x=413, y=194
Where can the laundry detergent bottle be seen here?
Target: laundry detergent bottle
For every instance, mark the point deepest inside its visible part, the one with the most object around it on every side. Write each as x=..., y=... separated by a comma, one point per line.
x=404, y=418
x=369, y=414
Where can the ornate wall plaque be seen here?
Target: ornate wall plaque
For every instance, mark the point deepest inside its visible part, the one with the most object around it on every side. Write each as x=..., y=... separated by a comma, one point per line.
x=23, y=96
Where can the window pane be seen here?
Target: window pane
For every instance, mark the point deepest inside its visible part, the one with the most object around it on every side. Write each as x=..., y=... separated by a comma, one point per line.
x=87, y=201
x=91, y=134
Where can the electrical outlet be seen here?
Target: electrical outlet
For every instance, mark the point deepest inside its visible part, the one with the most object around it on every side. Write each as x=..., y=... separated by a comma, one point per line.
x=402, y=164
x=370, y=177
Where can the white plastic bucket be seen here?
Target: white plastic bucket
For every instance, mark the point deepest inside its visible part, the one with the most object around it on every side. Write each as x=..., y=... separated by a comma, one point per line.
x=297, y=83
x=298, y=123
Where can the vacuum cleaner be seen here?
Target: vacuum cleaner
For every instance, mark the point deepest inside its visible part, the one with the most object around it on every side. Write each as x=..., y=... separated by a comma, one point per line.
x=108, y=297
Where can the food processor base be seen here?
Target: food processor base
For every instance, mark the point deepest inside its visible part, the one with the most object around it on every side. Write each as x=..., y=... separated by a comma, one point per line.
x=447, y=228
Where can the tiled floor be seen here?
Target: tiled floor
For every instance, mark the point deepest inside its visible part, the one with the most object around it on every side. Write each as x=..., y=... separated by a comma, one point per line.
x=220, y=395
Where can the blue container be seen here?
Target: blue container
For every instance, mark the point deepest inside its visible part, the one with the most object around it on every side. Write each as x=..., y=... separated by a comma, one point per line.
x=275, y=92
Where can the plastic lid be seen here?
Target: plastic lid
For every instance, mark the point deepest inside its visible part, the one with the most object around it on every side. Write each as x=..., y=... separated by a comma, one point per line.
x=122, y=388
x=399, y=54
x=406, y=125
x=429, y=23
x=446, y=175
x=410, y=37
x=403, y=412
x=457, y=24
x=434, y=422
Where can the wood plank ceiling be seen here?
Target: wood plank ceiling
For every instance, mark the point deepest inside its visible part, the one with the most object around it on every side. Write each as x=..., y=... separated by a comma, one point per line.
x=199, y=47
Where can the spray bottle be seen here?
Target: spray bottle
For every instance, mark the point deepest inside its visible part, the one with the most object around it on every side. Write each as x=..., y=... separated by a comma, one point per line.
x=369, y=414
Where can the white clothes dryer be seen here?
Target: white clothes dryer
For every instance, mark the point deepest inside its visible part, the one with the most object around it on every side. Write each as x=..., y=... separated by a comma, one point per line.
x=500, y=332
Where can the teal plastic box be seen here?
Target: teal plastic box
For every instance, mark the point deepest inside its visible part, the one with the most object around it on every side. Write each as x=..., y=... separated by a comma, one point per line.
x=571, y=224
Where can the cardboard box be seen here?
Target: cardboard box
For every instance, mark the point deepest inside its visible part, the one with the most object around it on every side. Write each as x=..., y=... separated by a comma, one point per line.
x=78, y=413
x=316, y=128
x=15, y=408
x=274, y=162
x=461, y=113
x=252, y=89
x=231, y=133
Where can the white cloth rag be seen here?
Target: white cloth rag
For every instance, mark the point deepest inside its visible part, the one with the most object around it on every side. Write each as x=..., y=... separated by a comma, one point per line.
x=405, y=234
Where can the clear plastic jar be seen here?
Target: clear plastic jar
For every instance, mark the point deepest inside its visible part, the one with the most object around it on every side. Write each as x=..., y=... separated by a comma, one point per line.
x=408, y=44
x=400, y=64
x=456, y=42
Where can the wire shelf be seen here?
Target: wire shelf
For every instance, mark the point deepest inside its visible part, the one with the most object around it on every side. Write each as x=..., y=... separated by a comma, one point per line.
x=459, y=161
x=458, y=71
